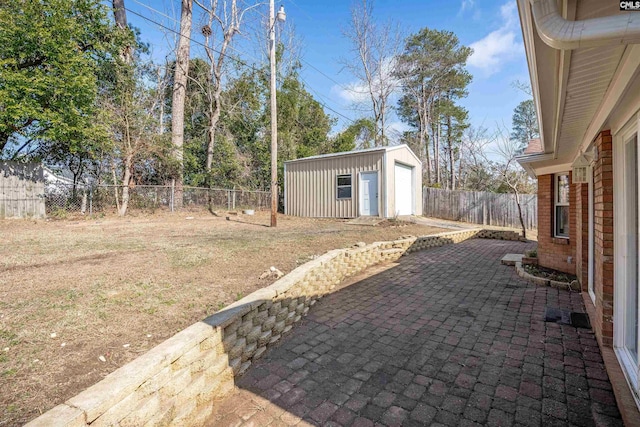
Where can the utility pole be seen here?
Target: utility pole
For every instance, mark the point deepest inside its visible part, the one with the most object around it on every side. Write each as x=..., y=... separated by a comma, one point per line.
x=274, y=112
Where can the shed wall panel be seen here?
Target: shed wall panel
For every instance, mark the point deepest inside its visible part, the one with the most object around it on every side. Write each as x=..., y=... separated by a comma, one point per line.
x=311, y=185
x=405, y=157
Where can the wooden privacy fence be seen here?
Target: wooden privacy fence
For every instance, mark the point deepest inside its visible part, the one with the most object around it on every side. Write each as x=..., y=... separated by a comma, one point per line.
x=480, y=207
x=21, y=190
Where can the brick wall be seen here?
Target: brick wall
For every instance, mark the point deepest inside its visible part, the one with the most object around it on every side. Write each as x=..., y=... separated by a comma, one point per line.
x=603, y=243
x=582, y=235
x=555, y=252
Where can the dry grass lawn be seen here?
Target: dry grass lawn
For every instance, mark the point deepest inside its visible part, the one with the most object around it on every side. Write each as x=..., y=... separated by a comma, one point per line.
x=73, y=291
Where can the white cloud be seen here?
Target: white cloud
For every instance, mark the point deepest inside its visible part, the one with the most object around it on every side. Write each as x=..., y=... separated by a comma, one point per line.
x=466, y=5
x=491, y=52
x=500, y=46
x=352, y=93
x=358, y=92
x=509, y=13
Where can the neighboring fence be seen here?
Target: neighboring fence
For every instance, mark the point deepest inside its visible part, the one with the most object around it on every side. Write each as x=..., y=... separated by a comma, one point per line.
x=65, y=198
x=21, y=190
x=480, y=207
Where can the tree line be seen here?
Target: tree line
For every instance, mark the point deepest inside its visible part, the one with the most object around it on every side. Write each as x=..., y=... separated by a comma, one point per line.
x=79, y=90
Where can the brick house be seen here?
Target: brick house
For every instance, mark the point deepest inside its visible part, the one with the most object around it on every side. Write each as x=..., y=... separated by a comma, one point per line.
x=584, y=64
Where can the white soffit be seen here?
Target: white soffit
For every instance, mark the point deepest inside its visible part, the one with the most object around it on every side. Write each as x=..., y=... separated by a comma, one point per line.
x=590, y=75
x=570, y=94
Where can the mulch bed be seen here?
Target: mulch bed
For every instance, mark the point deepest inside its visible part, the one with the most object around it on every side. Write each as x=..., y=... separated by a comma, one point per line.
x=549, y=273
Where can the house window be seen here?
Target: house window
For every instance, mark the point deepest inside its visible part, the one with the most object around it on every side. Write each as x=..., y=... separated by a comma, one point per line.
x=344, y=186
x=561, y=205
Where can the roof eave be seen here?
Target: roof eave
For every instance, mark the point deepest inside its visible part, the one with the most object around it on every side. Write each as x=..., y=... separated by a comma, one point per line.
x=528, y=161
x=356, y=153
x=527, y=26
x=344, y=153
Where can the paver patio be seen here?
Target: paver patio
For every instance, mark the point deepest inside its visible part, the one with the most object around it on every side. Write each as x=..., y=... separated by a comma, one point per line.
x=448, y=336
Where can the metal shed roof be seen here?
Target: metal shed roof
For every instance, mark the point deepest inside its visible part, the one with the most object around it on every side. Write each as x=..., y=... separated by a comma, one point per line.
x=356, y=152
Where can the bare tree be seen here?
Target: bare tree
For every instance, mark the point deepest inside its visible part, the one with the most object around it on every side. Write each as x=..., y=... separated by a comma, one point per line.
x=131, y=113
x=374, y=48
x=224, y=18
x=179, y=95
x=508, y=170
x=289, y=44
x=473, y=162
x=524, y=87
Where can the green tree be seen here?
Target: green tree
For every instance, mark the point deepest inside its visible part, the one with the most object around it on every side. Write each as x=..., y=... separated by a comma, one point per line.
x=455, y=120
x=303, y=125
x=193, y=118
x=245, y=121
x=241, y=153
x=360, y=133
x=432, y=72
x=137, y=152
x=50, y=58
x=524, y=124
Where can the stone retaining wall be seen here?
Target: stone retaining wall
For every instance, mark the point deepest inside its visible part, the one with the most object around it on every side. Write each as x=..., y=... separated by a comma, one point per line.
x=174, y=383
x=500, y=235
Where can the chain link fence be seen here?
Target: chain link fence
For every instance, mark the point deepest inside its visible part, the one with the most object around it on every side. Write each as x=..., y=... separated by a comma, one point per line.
x=63, y=199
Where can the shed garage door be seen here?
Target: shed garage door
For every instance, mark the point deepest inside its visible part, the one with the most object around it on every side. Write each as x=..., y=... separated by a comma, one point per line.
x=403, y=190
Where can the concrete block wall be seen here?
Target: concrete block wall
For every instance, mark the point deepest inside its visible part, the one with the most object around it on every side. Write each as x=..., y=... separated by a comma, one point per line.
x=500, y=235
x=175, y=383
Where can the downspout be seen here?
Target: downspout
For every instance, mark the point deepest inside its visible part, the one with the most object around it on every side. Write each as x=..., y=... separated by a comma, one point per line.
x=560, y=33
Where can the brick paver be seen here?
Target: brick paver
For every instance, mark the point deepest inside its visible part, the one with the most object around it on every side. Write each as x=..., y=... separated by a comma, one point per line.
x=449, y=337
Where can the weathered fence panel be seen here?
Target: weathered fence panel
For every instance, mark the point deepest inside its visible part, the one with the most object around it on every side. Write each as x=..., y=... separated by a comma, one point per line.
x=21, y=190
x=480, y=207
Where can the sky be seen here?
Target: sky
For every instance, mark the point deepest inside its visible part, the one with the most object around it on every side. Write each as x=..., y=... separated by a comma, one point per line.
x=490, y=27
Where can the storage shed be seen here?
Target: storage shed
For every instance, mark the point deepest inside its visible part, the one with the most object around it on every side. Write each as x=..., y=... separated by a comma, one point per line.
x=382, y=181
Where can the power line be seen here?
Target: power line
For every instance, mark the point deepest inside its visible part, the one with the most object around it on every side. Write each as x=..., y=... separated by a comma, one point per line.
x=319, y=71
x=209, y=10
x=237, y=60
x=301, y=10
x=146, y=6
x=309, y=88
x=308, y=64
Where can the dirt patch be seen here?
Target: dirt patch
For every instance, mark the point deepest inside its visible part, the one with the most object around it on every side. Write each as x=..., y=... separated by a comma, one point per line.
x=117, y=287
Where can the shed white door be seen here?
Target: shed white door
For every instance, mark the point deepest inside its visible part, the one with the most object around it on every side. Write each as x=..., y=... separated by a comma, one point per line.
x=403, y=190
x=369, y=194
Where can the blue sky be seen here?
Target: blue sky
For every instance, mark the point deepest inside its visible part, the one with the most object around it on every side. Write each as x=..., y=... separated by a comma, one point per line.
x=490, y=27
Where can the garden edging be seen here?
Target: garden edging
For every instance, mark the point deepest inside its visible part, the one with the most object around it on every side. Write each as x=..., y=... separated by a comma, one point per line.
x=541, y=281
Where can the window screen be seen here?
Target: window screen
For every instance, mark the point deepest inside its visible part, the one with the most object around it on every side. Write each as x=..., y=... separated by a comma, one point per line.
x=344, y=186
